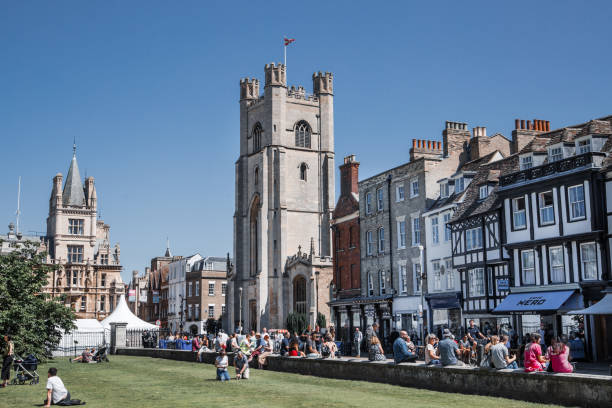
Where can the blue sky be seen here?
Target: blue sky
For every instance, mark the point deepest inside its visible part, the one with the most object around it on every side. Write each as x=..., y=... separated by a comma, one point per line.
x=150, y=91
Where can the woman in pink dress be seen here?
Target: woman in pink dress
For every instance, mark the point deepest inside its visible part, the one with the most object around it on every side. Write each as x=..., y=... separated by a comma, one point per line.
x=559, y=356
x=534, y=359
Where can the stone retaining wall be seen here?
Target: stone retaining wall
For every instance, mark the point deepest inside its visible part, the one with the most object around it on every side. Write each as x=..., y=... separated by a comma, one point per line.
x=564, y=389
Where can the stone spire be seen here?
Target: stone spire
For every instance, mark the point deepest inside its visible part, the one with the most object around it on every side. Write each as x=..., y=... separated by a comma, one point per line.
x=73, y=193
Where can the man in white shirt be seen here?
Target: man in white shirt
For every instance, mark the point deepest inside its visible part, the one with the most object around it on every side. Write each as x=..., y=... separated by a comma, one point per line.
x=56, y=392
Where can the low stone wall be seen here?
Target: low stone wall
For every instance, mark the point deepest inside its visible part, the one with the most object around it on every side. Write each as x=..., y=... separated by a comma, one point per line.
x=564, y=389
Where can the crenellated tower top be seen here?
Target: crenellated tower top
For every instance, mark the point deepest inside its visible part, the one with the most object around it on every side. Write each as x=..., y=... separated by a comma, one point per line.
x=249, y=88
x=323, y=83
x=275, y=75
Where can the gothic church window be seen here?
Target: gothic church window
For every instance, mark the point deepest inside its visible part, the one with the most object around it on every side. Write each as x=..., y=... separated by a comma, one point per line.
x=256, y=175
x=257, y=131
x=299, y=295
x=302, y=134
x=303, y=172
x=254, y=237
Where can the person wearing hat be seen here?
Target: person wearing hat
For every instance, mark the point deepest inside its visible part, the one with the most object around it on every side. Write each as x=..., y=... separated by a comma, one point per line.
x=449, y=350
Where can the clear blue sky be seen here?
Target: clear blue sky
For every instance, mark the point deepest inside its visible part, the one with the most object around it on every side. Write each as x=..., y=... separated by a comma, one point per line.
x=150, y=91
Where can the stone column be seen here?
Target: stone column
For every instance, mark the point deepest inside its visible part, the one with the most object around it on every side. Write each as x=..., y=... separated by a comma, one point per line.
x=118, y=336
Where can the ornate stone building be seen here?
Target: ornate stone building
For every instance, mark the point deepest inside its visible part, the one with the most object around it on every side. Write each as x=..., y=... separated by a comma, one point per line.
x=284, y=200
x=89, y=269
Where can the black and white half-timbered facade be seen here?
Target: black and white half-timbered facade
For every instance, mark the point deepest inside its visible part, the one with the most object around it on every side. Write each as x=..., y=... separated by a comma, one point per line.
x=553, y=208
x=478, y=254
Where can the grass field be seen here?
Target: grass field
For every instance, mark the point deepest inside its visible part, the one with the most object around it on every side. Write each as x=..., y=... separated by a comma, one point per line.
x=146, y=382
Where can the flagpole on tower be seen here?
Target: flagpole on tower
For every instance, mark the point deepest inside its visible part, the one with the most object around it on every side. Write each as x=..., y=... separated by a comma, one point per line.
x=285, y=42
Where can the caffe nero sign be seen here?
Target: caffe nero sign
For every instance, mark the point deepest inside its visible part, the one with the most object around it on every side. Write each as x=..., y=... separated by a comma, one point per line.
x=532, y=301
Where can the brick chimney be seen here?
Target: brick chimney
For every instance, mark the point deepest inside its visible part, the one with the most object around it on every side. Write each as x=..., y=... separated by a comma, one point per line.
x=455, y=137
x=425, y=148
x=349, y=176
x=524, y=131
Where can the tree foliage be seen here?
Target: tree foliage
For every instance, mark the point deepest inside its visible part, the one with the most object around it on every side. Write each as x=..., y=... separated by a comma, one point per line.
x=33, y=319
x=297, y=322
x=321, y=320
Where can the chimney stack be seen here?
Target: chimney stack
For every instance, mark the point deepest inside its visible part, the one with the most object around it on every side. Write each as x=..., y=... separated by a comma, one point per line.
x=349, y=176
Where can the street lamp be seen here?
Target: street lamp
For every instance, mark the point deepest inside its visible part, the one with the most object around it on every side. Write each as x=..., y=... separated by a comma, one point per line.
x=240, y=310
x=422, y=277
x=181, y=322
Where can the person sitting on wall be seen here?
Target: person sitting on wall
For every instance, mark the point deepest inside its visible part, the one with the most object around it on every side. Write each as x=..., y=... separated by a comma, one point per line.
x=431, y=358
x=449, y=350
x=401, y=351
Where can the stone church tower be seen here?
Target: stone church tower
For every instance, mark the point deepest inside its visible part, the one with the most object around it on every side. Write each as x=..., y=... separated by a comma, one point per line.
x=284, y=199
x=88, y=268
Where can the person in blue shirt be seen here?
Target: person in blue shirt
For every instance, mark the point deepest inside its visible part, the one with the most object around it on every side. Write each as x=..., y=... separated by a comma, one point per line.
x=401, y=351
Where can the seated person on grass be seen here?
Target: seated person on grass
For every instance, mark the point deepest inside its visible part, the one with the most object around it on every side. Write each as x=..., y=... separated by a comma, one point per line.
x=85, y=357
x=57, y=394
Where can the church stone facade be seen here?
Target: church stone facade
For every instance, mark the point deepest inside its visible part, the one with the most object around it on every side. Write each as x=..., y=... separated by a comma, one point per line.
x=88, y=268
x=284, y=200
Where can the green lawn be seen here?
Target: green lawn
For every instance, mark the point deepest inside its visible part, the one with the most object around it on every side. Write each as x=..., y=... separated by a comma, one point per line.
x=148, y=382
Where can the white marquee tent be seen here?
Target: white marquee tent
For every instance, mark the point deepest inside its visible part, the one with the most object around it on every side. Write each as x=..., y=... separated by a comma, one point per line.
x=122, y=313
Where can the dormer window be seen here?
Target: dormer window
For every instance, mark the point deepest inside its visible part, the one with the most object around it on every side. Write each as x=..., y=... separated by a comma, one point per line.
x=459, y=183
x=526, y=162
x=483, y=192
x=443, y=190
x=555, y=154
x=583, y=146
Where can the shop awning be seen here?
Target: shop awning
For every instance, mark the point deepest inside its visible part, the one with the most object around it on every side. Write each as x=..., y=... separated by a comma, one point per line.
x=444, y=302
x=603, y=307
x=534, y=302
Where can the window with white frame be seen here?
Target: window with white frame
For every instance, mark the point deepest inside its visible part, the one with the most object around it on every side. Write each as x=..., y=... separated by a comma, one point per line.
x=547, y=208
x=459, y=183
x=489, y=271
x=447, y=230
x=435, y=233
x=416, y=231
x=416, y=271
x=483, y=192
x=197, y=288
x=401, y=236
x=211, y=311
x=476, y=282
x=75, y=226
x=190, y=311
x=381, y=240
x=189, y=287
x=382, y=282
x=528, y=267
x=555, y=154
x=369, y=243
x=588, y=259
x=576, y=201
x=197, y=312
x=414, y=187
x=557, y=265
x=473, y=238
x=83, y=303
x=368, y=203
x=370, y=285
x=519, y=213
x=443, y=190
x=450, y=275
x=403, y=279
x=222, y=309
x=437, y=278
x=526, y=162
x=211, y=288
x=75, y=253
x=379, y=199
x=103, y=280
x=583, y=146
x=102, y=302
x=399, y=192
x=223, y=288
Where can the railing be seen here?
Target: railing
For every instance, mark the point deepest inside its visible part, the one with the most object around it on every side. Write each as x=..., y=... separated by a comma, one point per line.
x=559, y=166
x=75, y=342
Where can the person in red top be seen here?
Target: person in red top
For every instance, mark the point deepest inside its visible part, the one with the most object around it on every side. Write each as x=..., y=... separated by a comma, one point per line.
x=195, y=343
x=559, y=356
x=534, y=360
x=294, y=350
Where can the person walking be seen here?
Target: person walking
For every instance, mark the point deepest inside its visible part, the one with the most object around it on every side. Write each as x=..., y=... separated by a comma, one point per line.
x=8, y=351
x=357, y=339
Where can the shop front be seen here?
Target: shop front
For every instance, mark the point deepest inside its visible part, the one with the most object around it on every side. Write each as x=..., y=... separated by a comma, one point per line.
x=445, y=310
x=543, y=312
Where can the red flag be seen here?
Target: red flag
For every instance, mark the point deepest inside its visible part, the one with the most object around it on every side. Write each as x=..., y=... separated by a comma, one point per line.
x=289, y=41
